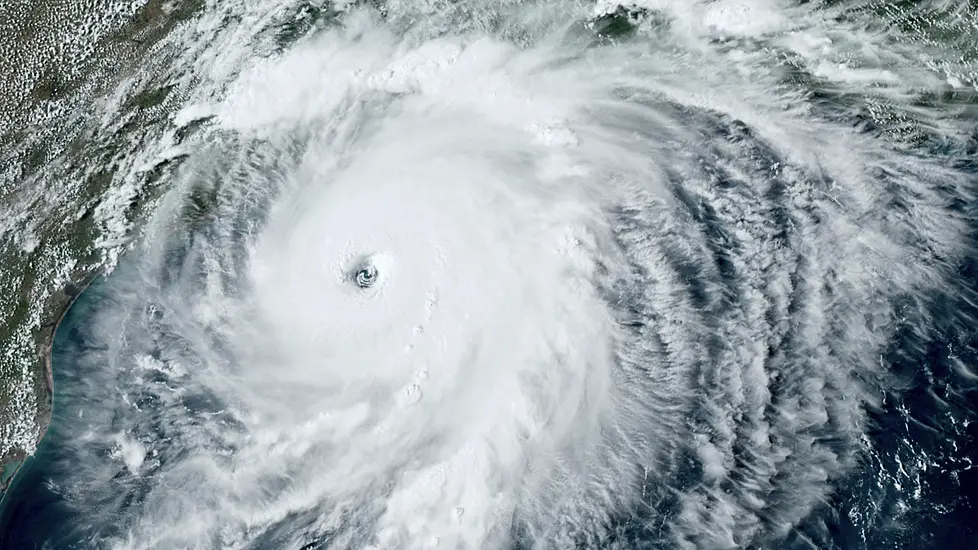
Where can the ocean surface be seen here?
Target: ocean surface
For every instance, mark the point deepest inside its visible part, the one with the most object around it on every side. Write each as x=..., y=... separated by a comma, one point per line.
x=532, y=275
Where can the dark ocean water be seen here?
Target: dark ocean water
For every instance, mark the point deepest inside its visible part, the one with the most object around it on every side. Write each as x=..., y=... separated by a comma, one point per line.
x=33, y=512
x=916, y=489
x=122, y=433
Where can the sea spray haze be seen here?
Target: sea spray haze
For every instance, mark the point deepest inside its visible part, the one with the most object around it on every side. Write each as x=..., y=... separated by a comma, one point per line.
x=530, y=275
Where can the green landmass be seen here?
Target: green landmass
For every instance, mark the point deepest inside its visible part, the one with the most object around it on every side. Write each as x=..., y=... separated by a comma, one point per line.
x=58, y=163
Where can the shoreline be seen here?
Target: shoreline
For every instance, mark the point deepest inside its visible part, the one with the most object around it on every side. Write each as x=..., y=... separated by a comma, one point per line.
x=40, y=42
x=63, y=300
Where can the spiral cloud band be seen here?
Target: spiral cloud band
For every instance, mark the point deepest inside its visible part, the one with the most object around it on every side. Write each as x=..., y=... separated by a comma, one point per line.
x=526, y=288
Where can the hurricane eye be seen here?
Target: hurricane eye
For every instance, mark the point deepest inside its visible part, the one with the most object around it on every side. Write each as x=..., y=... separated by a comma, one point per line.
x=366, y=276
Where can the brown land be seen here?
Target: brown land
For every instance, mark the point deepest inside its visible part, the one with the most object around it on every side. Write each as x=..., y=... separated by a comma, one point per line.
x=52, y=69
x=64, y=300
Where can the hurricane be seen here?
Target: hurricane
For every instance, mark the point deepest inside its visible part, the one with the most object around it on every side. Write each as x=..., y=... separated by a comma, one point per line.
x=524, y=275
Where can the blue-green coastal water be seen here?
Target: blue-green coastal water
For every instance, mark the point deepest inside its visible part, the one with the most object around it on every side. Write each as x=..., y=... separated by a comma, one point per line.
x=539, y=275
x=33, y=509
x=917, y=487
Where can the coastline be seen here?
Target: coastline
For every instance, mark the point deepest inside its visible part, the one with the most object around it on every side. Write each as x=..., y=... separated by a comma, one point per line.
x=63, y=300
x=50, y=126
